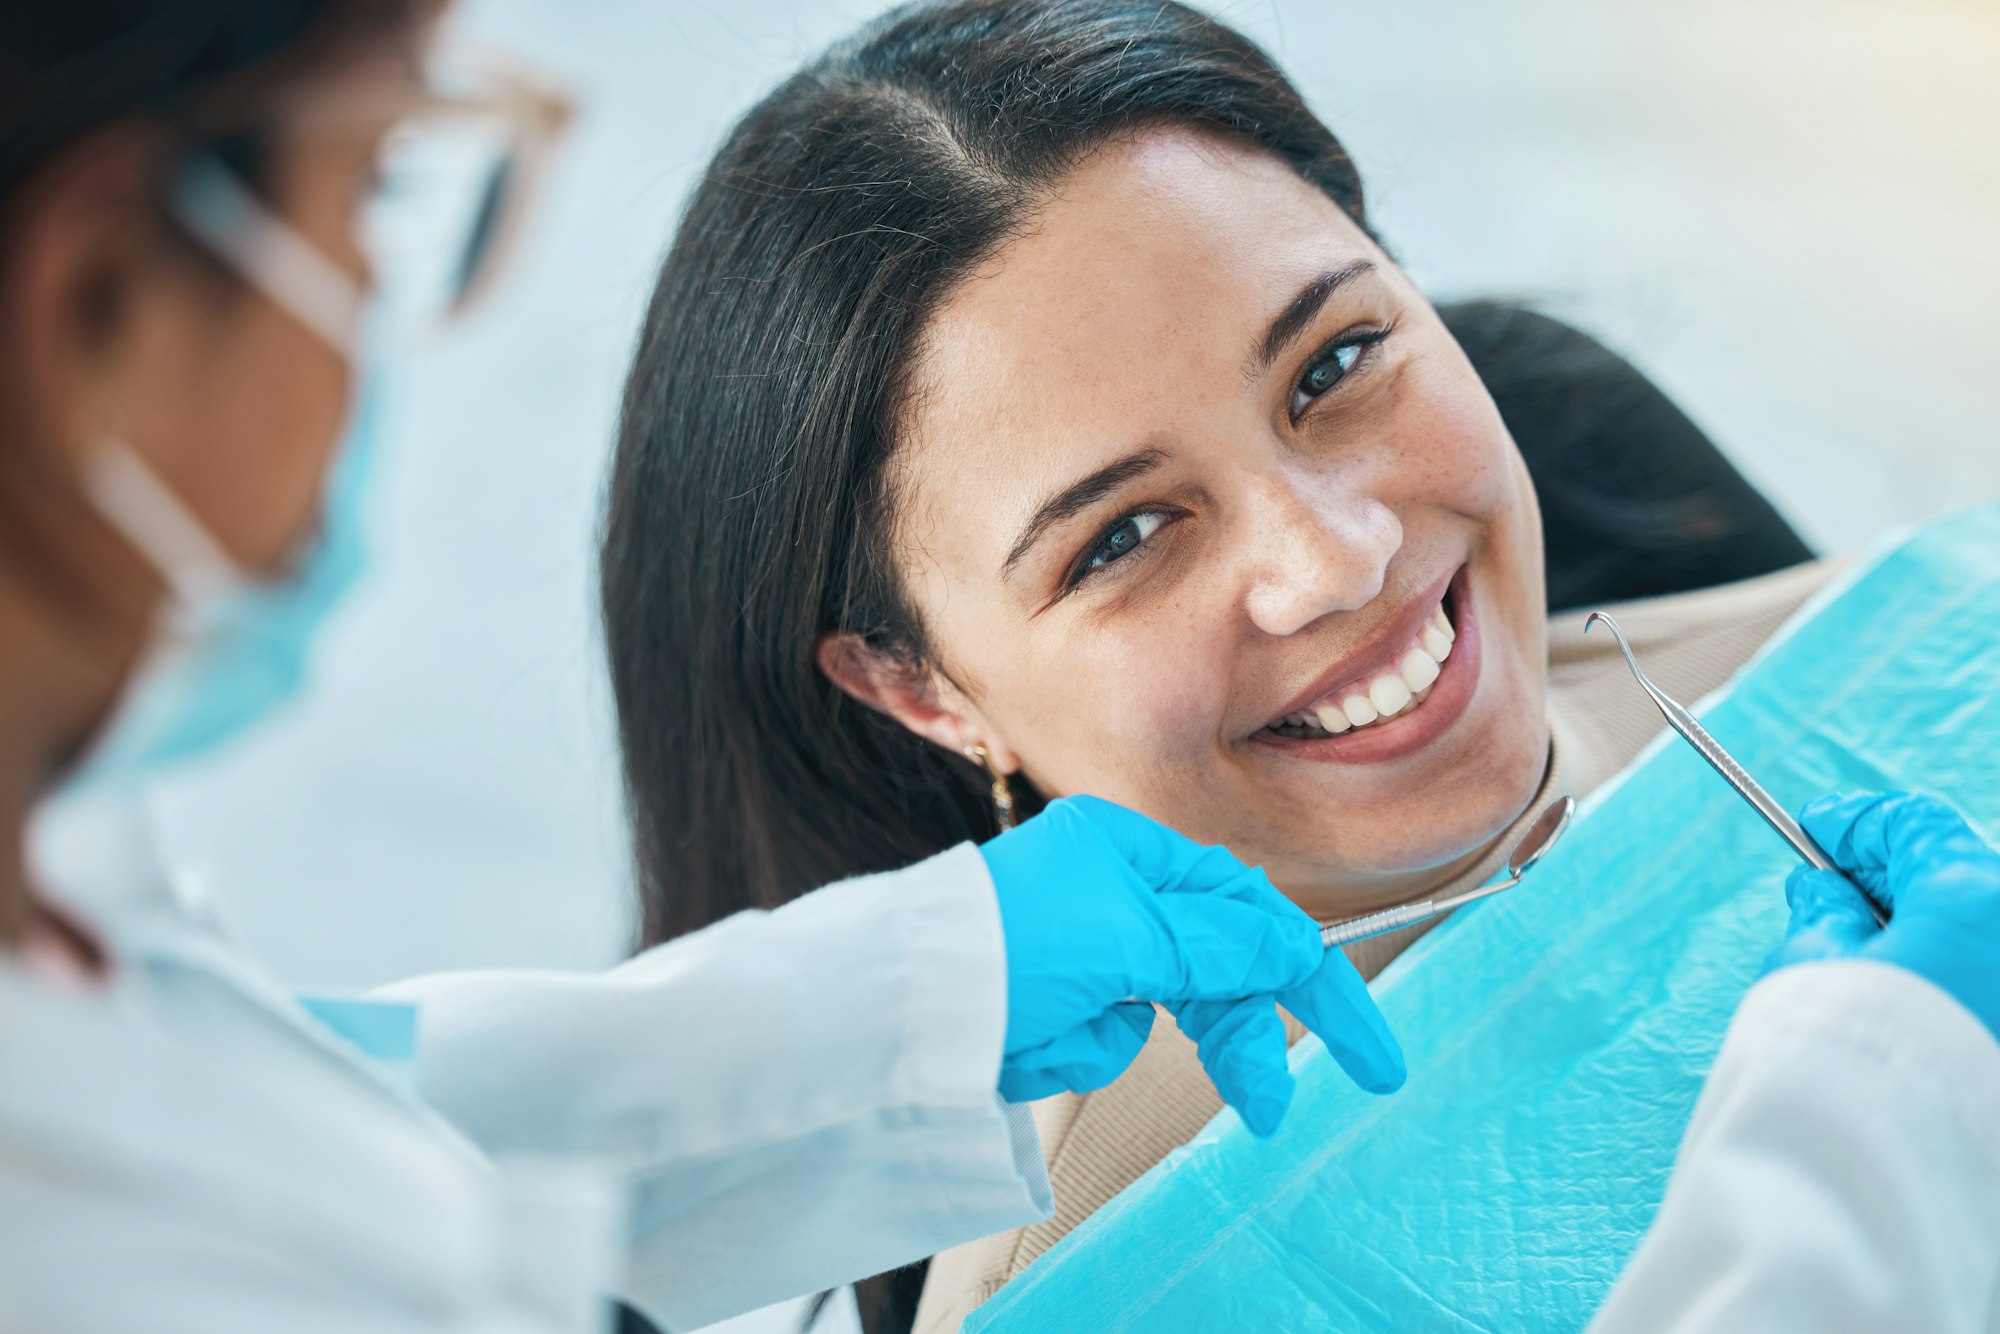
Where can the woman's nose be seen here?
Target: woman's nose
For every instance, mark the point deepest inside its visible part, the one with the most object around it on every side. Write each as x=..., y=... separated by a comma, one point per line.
x=1315, y=554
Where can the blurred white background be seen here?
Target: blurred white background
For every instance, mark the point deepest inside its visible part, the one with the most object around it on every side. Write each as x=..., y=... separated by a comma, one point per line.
x=1785, y=210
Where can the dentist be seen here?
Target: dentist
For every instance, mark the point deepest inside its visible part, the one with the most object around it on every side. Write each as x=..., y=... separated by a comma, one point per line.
x=785, y=1101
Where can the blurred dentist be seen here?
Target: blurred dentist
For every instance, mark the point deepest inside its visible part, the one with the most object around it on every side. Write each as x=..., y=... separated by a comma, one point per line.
x=787, y=1101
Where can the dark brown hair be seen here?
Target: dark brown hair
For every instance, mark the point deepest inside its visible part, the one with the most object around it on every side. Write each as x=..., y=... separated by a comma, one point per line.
x=749, y=501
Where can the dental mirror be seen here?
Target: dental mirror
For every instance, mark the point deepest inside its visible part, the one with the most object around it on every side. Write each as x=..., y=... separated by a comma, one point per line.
x=1541, y=836
x=1532, y=846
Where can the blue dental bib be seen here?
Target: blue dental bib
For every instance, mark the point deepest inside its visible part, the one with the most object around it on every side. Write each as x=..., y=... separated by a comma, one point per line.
x=1557, y=1035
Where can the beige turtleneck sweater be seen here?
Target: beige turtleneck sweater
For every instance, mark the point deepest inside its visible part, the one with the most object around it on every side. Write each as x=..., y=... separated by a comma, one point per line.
x=1096, y=1144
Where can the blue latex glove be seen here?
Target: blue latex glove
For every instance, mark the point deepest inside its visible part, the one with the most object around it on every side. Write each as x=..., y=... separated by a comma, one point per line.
x=1920, y=860
x=1099, y=905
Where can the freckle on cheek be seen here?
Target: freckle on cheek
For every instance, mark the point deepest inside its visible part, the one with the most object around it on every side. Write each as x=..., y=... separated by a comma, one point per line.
x=1470, y=460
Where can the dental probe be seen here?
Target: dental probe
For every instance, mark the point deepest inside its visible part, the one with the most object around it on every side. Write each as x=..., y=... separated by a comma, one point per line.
x=1541, y=836
x=1732, y=773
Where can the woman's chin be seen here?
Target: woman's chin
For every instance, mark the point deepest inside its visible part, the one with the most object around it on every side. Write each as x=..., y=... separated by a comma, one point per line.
x=1406, y=852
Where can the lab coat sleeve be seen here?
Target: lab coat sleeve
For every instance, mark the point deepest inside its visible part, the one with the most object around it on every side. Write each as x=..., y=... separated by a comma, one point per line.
x=1841, y=1173
x=797, y=1098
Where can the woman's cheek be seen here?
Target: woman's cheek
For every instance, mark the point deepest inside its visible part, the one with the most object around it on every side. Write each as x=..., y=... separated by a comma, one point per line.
x=1463, y=456
x=1117, y=717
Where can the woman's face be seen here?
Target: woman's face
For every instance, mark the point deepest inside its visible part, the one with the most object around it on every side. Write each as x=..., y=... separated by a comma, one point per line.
x=1194, y=494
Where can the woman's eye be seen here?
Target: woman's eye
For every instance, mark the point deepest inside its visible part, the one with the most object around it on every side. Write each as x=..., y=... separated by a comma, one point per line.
x=1331, y=367
x=1121, y=539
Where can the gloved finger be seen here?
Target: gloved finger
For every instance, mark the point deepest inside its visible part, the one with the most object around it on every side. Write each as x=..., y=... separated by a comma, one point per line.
x=1082, y=1068
x=1248, y=884
x=1251, y=887
x=1169, y=862
x=1830, y=919
x=1223, y=949
x=1085, y=1058
x=1242, y=1046
x=1023, y=1084
x=1334, y=1003
x=1897, y=843
x=1165, y=859
x=1811, y=942
x=1813, y=894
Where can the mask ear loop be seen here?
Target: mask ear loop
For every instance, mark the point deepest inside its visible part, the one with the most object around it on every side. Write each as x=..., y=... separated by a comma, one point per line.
x=269, y=252
x=147, y=513
x=271, y=255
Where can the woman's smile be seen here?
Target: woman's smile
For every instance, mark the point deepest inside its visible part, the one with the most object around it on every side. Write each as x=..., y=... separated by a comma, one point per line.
x=1396, y=693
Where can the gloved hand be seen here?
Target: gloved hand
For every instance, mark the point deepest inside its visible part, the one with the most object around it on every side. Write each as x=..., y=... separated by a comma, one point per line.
x=1104, y=910
x=1920, y=860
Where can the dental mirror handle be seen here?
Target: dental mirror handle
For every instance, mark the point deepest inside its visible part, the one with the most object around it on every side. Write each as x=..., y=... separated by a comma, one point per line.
x=1378, y=923
x=1406, y=914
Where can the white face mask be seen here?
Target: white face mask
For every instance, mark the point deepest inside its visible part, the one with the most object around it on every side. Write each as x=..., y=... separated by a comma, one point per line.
x=229, y=647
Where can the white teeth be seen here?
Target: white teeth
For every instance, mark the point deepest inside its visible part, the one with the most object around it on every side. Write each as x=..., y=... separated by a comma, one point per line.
x=1418, y=670
x=1332, y=719
x=1392, y=693
x=1389, y=695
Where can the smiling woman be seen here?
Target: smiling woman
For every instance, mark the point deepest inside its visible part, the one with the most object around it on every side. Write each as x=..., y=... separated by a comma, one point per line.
x=1270, y=467
x=1026, y=385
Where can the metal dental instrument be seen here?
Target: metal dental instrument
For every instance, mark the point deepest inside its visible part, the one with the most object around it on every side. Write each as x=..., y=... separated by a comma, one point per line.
x=1725, y=764
x=1541, y=836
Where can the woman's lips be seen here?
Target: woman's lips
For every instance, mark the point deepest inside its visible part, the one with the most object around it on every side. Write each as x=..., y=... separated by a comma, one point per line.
x=1419, y=723
x=1400, y=682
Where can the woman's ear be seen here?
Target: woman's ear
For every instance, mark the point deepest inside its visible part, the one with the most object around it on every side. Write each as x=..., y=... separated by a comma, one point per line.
x=919, y=698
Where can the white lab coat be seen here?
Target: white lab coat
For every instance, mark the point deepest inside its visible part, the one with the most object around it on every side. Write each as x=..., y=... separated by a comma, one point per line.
x=803, y=1097
x=784, y=1102
x=1841, y=1173
x=798, y=1098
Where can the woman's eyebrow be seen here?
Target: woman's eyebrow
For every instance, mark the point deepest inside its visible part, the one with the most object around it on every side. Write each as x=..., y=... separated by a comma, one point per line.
x=1079, y=496
x=1296, y=317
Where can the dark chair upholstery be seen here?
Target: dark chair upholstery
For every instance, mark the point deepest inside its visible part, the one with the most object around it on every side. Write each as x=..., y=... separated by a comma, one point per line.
x=1636, y=500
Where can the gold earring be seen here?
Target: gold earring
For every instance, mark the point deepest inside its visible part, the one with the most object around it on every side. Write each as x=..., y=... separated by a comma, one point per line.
x=1003, y=795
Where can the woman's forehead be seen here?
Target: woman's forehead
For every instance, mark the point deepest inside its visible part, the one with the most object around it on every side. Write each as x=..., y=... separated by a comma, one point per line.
x=1168, y=242
x=1142, y=286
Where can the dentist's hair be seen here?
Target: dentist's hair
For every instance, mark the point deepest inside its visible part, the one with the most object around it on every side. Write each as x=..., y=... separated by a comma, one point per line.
x=187, y=74
x=197, y=71
x=750, y=499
